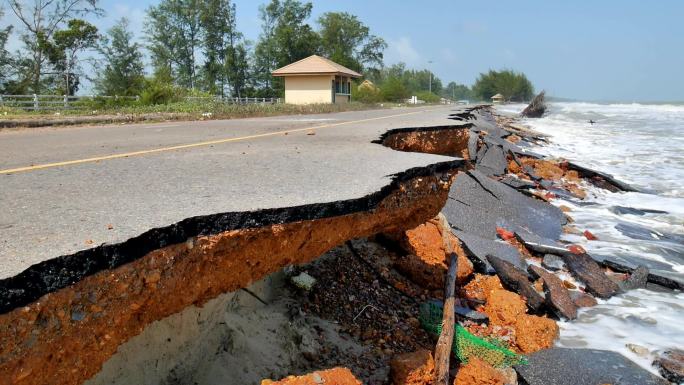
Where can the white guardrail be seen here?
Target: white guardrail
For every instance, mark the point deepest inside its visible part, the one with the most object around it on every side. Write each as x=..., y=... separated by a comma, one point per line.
x=62, y=102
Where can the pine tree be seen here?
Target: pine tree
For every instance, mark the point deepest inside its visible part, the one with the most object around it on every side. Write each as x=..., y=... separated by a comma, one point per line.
x=123, y=72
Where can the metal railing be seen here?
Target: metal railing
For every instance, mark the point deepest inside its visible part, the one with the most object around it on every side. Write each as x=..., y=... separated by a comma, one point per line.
x=52, y=102
x=232, y=100
x=64, y=102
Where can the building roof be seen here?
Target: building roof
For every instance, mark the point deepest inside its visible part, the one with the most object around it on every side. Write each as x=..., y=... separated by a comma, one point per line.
x=497, y=96
x=315, y=65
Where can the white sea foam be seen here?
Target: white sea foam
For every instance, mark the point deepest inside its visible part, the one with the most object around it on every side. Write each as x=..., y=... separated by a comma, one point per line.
x=642, y=145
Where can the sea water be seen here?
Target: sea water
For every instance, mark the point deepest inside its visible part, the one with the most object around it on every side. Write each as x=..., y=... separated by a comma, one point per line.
x=643, y=145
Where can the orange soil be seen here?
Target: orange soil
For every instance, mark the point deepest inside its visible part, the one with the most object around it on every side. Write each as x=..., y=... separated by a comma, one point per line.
x=426, y=263
x=334, y=376
x=554, y=171
x=481, y=286
x=417, y=368
x=448, y=141
x=509, y=310
x=534, y=333
x=42, y=344
x=478, y=372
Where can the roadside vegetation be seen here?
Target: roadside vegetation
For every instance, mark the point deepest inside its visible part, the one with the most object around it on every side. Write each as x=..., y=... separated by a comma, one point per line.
x=193, y=48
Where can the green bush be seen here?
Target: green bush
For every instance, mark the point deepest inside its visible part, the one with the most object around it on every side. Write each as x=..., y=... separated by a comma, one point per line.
x=157, y=92
x=428, y=97
x=394, y=90
x=366, y=94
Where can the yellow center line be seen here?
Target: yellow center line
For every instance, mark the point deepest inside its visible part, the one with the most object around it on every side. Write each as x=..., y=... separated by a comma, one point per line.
x=193, y=145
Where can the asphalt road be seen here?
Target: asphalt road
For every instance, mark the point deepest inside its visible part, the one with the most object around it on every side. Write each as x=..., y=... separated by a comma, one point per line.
x=63, y=190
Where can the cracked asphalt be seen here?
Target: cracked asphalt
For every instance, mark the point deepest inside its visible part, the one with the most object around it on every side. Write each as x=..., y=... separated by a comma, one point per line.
x=67, y=189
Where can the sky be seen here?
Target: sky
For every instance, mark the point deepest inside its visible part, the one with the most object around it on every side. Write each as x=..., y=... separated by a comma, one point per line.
x=609, y=50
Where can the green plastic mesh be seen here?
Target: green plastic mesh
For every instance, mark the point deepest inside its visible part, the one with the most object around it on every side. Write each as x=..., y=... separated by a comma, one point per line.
x=466, y=345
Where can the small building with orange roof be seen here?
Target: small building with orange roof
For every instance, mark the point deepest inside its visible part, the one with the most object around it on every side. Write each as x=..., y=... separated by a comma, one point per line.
x=316, y=79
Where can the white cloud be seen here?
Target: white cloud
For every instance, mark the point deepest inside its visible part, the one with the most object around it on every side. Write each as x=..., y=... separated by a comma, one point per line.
x=402, y=50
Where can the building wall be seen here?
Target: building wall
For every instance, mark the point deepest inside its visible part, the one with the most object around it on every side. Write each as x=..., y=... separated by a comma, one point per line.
x=308, y=89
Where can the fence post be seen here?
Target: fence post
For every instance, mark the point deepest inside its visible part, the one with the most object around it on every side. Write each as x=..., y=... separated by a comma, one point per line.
x=137, y=98
x=66, y=101
x=2, y=102
x=35, y=102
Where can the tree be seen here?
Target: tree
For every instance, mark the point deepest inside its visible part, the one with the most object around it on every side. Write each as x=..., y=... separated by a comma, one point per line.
x=346, y=40
x=393, y=89
x=513, y=86
x=40, y=19
x=63, y=49
x=285, y=38
x=123, y=73
x=174, y=31
x=220, y=32
x=237, y=68
x=5, y=56
x=457, y=91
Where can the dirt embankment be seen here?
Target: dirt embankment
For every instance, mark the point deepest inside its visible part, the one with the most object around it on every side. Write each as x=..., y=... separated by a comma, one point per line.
x=65, y=336
x=440, y=140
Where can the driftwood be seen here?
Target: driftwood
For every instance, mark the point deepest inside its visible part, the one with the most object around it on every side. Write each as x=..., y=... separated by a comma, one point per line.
x=536, y=108
x=446, y=337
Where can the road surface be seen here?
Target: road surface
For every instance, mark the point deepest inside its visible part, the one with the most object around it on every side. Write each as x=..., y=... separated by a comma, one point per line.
x=63, y=190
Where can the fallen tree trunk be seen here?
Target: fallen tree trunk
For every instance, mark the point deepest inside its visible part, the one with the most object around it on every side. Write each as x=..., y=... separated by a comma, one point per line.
x=536, y=108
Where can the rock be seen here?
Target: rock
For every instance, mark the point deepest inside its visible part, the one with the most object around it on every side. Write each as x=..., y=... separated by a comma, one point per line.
x=583, y=299
x=470, y=315
x=514, y=279
x=637, y=279
x=416, y=368
x=509, y=374
x=553, y=262
x=671, y=365
x=638, y=349
x=334, y=376
x=303, y=281
x=557, y=296
x=590, y=273
x=534, y=333
x=478, y=372
x=563, y=366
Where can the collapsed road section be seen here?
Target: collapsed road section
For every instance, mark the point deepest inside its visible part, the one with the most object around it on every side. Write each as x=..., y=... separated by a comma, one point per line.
x=65, y=317
x=67, y=306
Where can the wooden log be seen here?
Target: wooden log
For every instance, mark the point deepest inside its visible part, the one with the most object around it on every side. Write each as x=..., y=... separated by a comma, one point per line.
x=446, y=337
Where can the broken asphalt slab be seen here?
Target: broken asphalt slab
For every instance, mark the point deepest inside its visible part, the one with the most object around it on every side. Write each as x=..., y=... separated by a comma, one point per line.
x=562, y=366
x=479, y=205
x=478, y=248
x=60, y=223
x=557, y=296
x=596, y=177
x=516, y=280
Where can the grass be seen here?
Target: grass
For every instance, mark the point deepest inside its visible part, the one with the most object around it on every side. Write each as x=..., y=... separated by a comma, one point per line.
x=188, y=109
